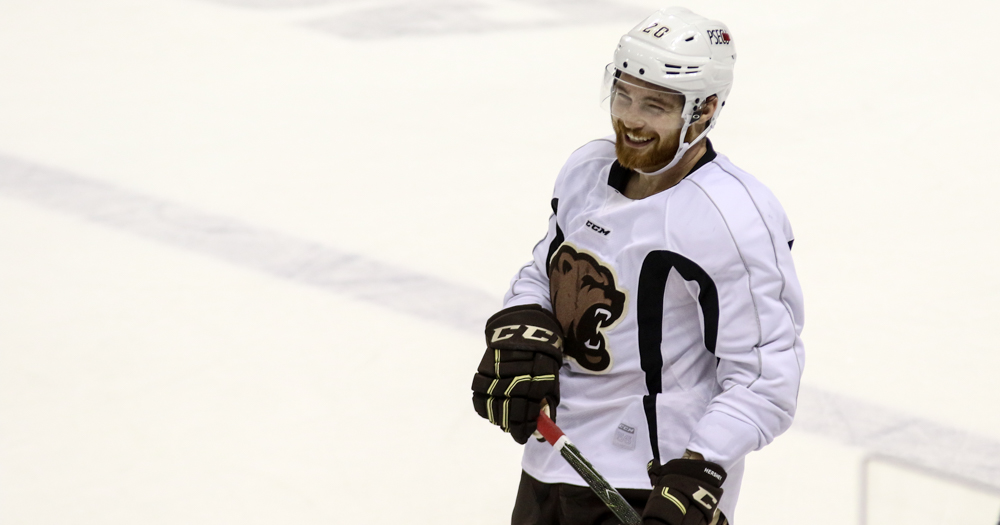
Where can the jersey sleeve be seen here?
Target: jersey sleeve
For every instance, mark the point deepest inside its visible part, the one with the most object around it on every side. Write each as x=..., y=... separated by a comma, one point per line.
x=743, y=239
x=531, y=283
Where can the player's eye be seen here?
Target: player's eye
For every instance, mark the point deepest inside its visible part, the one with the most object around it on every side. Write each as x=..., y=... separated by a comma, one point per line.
x=623, y=98
x=653, y=108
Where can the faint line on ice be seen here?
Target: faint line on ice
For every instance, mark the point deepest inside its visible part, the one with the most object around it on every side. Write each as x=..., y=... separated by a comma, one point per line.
x=388, y=19
x=914, y=441
x=911, y=440
x=242, y=244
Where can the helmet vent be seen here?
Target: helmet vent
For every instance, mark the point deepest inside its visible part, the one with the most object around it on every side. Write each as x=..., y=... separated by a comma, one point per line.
x=688, y=39
x=681, y=70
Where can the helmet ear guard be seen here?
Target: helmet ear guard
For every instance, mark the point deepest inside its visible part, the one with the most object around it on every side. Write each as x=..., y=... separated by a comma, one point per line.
x=700, y=109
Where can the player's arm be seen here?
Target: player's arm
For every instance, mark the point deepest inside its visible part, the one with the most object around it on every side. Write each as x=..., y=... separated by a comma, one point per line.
x=760, y=355
x=757, y=325
x=519, y=372
x=530, y=285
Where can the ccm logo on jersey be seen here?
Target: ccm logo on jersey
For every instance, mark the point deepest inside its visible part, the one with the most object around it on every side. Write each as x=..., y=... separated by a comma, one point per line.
x=718, y=36
x=597, y=228
x=532, y=333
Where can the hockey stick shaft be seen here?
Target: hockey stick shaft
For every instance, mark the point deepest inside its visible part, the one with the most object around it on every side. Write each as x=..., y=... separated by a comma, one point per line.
x=611, y=497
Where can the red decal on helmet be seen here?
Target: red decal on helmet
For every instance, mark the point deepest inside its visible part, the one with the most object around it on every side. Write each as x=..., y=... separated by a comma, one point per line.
x=718, y=36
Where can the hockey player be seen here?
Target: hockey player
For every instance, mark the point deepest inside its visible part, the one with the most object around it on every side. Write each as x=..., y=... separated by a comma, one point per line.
x=660, y=317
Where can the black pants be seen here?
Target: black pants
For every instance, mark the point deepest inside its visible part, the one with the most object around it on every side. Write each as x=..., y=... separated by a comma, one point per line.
x=540, y=503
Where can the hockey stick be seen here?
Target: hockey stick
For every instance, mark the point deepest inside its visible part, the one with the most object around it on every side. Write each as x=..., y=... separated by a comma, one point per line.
x=554, y=435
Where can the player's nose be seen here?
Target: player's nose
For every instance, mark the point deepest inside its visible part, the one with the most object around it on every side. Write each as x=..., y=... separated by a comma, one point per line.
x=631, y=122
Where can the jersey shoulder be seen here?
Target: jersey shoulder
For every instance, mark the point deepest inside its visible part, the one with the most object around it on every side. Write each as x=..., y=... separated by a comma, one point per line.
x=723, y=202
x=730, y=188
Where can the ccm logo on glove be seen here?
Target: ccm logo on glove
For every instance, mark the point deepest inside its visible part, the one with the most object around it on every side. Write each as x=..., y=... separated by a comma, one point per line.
x=677, y=485
x=533, y=333
x=519, y=371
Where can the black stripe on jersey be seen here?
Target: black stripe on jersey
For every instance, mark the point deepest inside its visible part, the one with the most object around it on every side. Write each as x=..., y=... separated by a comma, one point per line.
x=706, y=157
x=618, y=177
x=558, y=239
x=649, y=308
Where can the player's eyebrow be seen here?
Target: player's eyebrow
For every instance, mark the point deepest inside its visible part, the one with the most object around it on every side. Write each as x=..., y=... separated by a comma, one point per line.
x=657, y=96
x=660, y=99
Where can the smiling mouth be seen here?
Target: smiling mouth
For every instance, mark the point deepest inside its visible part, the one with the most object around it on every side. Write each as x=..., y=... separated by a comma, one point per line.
x=637, y=141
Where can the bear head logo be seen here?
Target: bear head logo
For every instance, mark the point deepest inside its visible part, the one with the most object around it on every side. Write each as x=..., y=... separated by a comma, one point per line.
x=586, y=302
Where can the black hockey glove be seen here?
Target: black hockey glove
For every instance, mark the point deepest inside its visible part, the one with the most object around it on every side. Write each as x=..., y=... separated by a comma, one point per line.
x=520, y=369
x=685, y=492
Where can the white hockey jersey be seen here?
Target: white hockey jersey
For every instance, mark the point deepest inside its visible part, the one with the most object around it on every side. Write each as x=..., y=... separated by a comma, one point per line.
x=682, y=314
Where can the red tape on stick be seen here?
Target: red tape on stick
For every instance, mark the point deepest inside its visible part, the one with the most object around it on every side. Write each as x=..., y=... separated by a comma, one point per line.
x=548, y=429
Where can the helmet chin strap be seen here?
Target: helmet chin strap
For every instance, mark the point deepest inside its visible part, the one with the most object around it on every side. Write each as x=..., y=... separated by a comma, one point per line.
x=681, y=150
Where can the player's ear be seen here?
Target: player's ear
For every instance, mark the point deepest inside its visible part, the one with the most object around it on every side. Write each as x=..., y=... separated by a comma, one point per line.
x=707, y=109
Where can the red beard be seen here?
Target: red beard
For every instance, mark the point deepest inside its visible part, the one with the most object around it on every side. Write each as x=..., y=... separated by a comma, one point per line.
x=650, y=158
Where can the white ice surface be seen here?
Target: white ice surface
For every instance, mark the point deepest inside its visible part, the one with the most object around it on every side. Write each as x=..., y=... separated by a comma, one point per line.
x=147, y=379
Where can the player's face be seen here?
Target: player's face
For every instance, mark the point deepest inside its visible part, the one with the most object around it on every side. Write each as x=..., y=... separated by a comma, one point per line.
x=647, y=122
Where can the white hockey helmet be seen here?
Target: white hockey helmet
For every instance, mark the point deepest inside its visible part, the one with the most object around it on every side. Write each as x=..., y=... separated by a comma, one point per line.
x=685, y=53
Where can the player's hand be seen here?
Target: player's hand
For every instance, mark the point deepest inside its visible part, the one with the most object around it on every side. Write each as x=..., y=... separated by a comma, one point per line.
x=685, y=492
x=519, y=370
